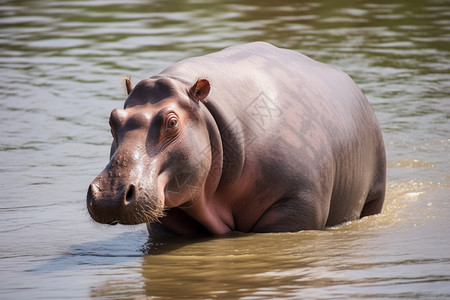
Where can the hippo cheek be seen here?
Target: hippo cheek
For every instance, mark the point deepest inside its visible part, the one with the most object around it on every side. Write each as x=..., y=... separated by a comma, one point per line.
x=110, y=201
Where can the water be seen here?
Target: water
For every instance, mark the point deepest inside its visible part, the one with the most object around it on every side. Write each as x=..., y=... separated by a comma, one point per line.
x=61, y=64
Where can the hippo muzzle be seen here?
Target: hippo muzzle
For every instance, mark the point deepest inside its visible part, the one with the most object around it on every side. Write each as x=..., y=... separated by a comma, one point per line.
x=117, y=197
x=128, y=190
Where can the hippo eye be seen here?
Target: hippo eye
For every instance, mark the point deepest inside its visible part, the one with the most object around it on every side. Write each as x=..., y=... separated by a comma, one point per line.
x=172, y=122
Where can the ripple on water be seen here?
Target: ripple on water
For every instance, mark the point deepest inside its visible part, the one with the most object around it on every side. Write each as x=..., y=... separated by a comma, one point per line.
x=61, y=63
x=410, y=163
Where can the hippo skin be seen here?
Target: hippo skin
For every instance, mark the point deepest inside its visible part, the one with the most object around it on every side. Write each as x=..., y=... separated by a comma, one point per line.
x=252, y=138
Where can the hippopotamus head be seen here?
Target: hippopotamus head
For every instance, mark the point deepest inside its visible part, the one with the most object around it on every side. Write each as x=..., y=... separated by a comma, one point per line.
x=160, y=156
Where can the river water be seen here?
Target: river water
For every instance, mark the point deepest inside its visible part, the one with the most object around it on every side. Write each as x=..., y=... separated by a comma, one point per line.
x=61, y=63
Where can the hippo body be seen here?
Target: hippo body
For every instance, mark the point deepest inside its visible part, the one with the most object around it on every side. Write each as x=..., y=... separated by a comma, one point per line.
x=253, y=138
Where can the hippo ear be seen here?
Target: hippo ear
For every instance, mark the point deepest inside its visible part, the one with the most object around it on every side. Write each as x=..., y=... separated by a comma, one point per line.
x=200, y=90
x=128, y=84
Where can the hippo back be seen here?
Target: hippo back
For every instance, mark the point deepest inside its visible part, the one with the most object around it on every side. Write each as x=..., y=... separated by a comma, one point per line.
x=312, y=116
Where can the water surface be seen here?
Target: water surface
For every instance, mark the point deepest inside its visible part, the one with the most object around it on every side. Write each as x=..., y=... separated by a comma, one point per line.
x=61, y=64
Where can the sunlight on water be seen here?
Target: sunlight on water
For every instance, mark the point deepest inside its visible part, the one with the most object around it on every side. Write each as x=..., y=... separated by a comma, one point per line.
x=407, y=163
x=399, y=205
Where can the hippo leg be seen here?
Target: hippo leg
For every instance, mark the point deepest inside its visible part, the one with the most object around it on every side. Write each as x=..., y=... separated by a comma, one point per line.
x=374, y=202
x=179, y=222
x=290, y=215
x=375, y=197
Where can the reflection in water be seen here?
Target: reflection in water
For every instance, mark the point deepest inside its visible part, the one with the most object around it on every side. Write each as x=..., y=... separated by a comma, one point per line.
x=351, y=260
x=62, y=62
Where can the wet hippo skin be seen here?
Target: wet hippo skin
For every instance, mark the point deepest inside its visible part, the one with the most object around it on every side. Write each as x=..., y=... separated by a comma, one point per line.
x=253, y=138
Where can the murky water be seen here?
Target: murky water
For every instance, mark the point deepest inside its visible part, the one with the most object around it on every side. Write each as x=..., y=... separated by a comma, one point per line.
x=61, y=63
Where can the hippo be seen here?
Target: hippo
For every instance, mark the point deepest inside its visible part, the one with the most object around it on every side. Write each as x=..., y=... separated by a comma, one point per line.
x=253, y=138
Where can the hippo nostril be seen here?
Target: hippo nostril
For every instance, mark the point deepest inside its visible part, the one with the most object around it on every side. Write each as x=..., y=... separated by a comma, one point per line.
x=131, y=194
x=92, y=191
